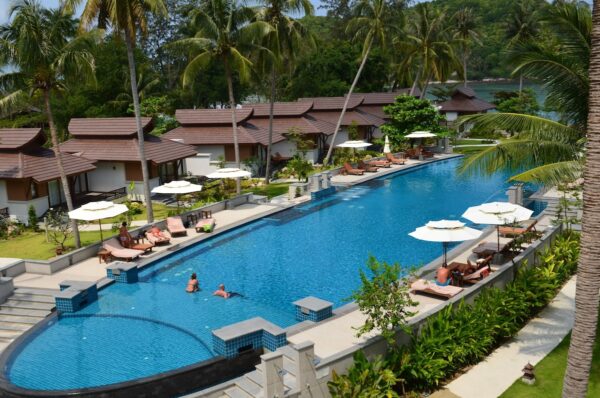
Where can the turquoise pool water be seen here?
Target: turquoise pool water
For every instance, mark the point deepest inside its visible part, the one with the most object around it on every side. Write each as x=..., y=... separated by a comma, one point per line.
x=153, y=326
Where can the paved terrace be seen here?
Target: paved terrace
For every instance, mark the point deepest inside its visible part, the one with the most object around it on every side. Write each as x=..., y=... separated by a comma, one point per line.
x=92, y=270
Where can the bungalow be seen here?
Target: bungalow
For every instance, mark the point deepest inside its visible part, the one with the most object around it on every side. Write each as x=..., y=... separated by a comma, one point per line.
x=210, y=132
x=29, y=173
x=112, y=144
x=463, y=101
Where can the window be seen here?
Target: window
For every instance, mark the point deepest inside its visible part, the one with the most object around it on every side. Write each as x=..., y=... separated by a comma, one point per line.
x=33, y=190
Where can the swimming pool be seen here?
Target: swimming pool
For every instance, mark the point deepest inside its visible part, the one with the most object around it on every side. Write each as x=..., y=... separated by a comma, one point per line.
x=154, y=326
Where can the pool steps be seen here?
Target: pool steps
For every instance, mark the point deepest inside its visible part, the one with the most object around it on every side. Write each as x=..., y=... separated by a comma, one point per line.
x=251, y=384
x=22, y=310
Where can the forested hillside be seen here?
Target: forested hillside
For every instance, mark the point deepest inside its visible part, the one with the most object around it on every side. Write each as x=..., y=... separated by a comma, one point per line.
x=419, y=44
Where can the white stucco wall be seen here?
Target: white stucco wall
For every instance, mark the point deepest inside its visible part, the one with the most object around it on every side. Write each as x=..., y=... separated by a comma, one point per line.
x=200, y=164
x=18, y=210
x=451, y=116
x=342, y=136
x=285, y=148
x=3, y=195
x=138, y=190
x=107, y=176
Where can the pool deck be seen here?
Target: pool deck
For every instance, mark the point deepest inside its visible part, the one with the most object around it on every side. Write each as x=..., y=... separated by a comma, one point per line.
x=92, y=270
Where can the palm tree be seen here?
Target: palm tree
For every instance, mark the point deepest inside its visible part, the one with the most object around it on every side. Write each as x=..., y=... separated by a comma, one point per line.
x=225, y=32
x=429, y=43
x=39, y=44
x=286, y=37
x=127, y=17
x=583, y=335
x=371, y=25
x=522, y=26
x=551, y=151
x=465, y=32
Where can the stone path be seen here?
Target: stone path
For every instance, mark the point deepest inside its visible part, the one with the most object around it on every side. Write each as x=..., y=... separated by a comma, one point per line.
x=501, y=368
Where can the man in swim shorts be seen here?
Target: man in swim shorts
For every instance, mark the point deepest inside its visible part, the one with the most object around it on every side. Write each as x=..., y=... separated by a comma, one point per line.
x=221, y=292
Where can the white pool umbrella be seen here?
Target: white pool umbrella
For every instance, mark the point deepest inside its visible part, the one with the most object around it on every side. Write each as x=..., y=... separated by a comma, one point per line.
x=97, y=211
x=386, y=146
x=354, y=144
x=445, y=231
x=229, y=172
x=497, y=213
x=177, y=188
x=420, y=134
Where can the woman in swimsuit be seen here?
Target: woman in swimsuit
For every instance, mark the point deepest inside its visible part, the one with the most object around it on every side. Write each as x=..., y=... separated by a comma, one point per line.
x=192, y=285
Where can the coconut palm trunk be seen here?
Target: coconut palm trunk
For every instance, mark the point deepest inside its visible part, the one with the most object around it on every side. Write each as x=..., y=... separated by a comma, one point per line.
x=236, y=147
x=339, y=123
x=587, y=294
x=61, y=169
x=425, y=87
x=271, y=110
x=138, y=120
x=416, y=81
x=464, y=62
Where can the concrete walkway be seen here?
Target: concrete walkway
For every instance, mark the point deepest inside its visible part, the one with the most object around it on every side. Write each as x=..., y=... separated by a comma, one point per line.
x=502, y=367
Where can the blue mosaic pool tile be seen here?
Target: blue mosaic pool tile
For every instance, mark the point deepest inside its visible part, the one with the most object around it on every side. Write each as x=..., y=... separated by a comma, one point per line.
x=253, y=333
x=75, y=295
x=124, y=276
x=323, y=193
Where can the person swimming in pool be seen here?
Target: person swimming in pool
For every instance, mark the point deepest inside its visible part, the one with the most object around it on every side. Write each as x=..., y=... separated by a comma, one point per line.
x=221, y=292
x=192, y=285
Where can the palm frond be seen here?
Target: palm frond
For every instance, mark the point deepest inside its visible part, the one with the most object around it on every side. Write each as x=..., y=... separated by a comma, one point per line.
x=535, y=127
x=552, y=173
x=199, y=63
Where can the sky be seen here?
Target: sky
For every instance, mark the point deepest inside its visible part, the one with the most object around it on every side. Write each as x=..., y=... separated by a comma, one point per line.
x=5, y=5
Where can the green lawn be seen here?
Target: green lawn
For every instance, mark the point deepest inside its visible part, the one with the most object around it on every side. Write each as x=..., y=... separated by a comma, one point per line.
x=270, y=190
x=468, y=150
x=33, y=245
x=473, y=142
x=160, y=213
x=550, y=372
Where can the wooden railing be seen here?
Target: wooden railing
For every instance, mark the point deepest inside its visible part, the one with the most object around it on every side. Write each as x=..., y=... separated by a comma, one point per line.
x=95, y=196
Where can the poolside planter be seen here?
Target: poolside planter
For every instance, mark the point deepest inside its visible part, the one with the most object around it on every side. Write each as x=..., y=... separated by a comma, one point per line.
x=313, y=309
x=74, y=295
x=122, y=272
x=251, y=334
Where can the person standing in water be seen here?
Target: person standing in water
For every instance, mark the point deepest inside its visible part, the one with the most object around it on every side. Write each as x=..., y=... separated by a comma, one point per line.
x=192, y=285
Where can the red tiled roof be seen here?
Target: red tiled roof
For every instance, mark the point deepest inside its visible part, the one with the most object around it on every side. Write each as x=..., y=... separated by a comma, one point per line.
x=210, y=135
x=383, y=98
x=326, y=121
x=110, y=126
x=283, y=125
x=333, y=103
x=375, y=110
x=15, y=139
x=41, y=165
x=210, y=116
x=157, y=149
x=280, y=108
x=465, y=104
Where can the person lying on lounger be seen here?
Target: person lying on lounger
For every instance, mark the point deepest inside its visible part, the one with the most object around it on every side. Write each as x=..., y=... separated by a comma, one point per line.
x=442, y=276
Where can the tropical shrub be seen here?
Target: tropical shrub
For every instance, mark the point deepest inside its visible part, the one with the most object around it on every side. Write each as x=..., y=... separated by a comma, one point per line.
x=383, y=297
x=365, y=379
x=32, y=220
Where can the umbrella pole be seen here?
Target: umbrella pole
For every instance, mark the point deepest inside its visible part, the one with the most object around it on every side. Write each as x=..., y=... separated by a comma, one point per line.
x=498, y=232
x=445, y=246
x=100, y=225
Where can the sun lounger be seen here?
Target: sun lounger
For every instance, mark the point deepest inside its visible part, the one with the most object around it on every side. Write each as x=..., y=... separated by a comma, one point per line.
x=175, y=226
x=478, y=275
x=352, y=171
x=165, y=238
x=205, y=225
x=379, y=163
x=393, y=159
x=367, y=167
x=116, y=250
x=517, y=231
x=430, y=288
x=485, y=249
